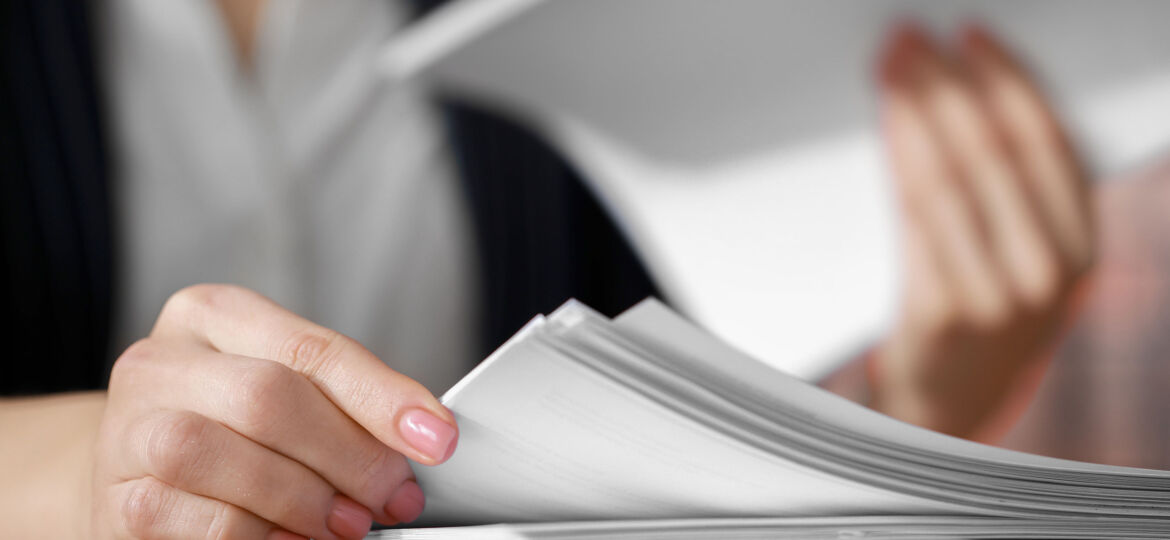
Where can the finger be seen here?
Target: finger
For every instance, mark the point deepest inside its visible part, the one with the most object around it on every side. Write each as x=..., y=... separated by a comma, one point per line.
x=903, y=381
x=198, y=455
x=929, y=300
x=1052, y=165
x=148, y=508
x=394, y=408
x=281, y=411
x=929, y=188
x=1015, y=236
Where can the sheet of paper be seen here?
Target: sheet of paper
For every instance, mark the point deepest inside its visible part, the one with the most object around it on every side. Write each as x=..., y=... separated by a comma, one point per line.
x=542, y=437
x=653, y=323
x=834, y=528
x=735, y=142
x=648, y=417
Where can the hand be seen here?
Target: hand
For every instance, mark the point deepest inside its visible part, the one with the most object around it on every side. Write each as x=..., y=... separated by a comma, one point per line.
x=238, y=419
x=997, y=230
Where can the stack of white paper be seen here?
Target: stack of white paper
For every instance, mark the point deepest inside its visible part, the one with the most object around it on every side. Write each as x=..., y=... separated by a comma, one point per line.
x=884, y=527
x=580, y=418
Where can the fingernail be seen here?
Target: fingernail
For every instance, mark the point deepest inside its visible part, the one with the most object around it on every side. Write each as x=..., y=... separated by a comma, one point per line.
x=975, y=32
x=888, y=71
x=899, y=51
x=349, y=519
x=407, y=502
x=976, y=38
x=885, y=72
x=913, y=35
x=284, y=535
x=432, y=437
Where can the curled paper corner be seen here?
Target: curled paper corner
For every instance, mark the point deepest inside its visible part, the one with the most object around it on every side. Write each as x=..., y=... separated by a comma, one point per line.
x=423, y=44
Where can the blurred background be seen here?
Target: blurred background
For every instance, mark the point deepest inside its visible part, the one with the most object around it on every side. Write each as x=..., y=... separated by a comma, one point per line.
x=736, y=145
x=427, y=176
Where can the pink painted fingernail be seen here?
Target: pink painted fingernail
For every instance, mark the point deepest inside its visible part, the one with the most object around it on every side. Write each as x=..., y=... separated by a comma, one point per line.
x=284, y=535
x=432, y=437
x=348, y=519
x=407, y=502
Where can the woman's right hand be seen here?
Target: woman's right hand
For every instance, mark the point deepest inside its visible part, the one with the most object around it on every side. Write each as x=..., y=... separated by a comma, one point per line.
x=998, y=233
x=239, y=419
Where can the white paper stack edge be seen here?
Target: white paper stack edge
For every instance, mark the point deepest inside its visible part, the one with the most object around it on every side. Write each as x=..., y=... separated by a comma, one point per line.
x=611, y=427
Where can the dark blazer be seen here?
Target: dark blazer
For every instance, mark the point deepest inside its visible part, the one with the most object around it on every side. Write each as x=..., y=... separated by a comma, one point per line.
x=541, y=235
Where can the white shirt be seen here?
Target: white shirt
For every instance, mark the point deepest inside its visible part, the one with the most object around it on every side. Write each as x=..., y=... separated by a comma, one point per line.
x=307, y=178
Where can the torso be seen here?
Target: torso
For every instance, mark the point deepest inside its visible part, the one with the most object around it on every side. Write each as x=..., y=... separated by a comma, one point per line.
x=303, y=176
